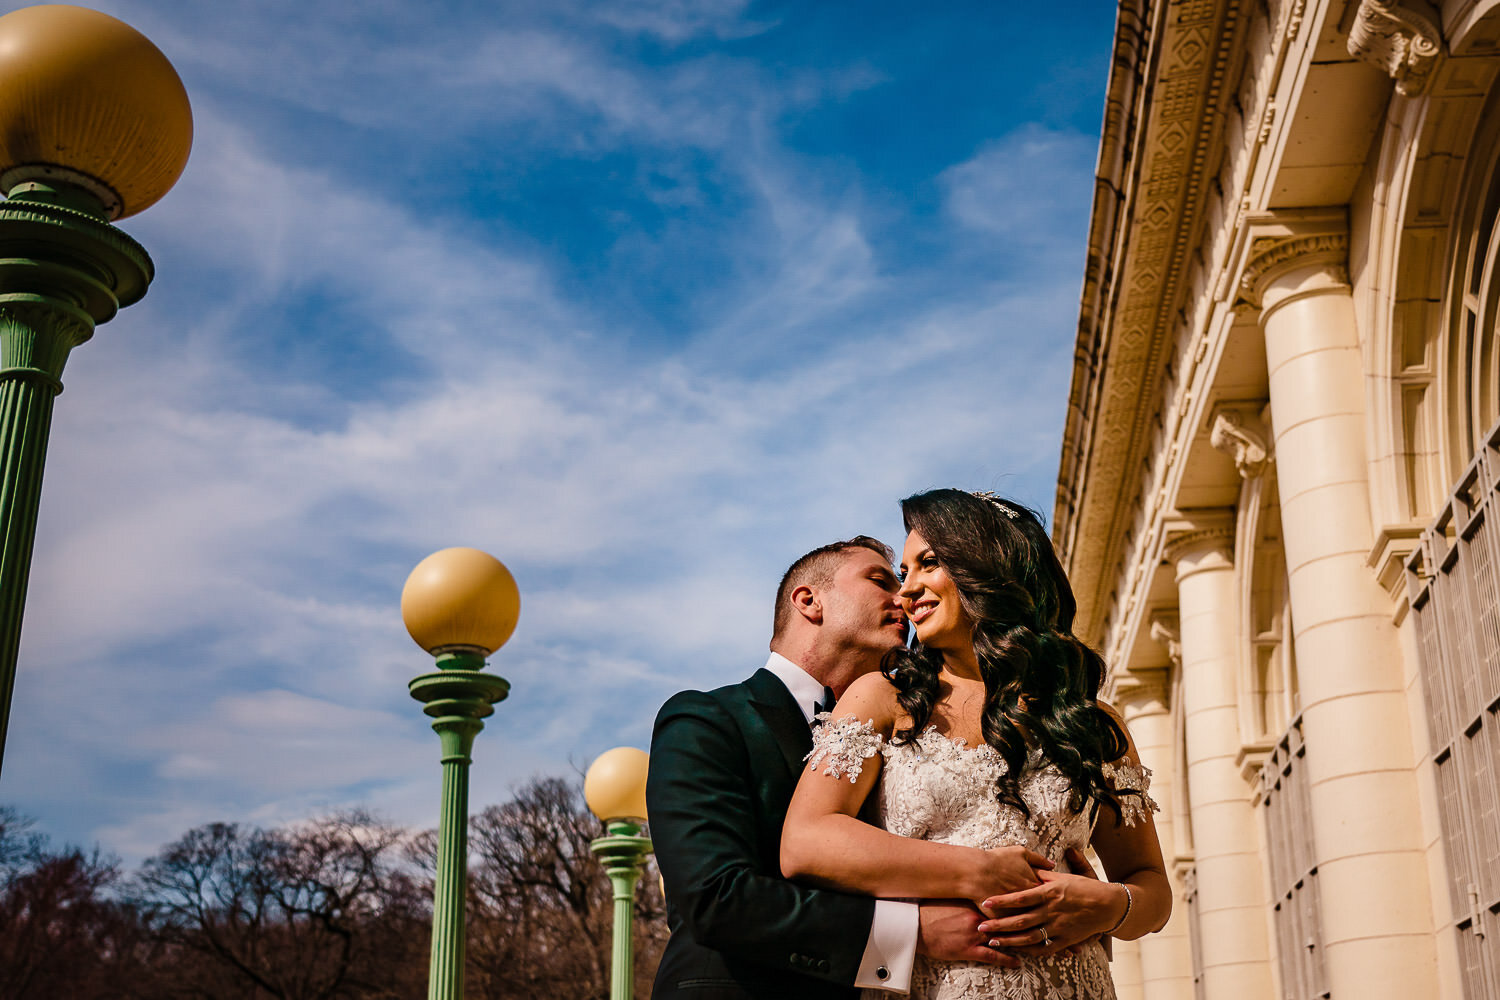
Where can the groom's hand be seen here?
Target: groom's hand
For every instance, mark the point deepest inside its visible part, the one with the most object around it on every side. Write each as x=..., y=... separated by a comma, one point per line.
x=949, y=931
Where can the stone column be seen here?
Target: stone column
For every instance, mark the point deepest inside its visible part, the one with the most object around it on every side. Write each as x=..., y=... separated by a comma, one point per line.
x=1125, y=970
x=1165, y=960
x=1235, y=945
x=1376, y=920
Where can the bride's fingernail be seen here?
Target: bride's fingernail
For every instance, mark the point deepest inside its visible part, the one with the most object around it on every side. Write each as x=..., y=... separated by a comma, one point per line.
x=994, y=942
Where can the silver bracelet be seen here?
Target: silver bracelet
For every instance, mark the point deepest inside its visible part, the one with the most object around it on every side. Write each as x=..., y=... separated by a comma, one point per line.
x=1129, y=899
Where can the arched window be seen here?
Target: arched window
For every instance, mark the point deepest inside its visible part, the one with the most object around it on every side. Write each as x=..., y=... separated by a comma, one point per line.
x=1469, y=365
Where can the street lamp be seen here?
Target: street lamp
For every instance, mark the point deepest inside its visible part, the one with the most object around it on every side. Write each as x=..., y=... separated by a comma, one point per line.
x=94, y=126
x=460, y=605
x=615, y=789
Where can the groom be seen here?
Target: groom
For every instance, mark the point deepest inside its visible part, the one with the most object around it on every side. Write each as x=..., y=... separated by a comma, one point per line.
x=723, y=767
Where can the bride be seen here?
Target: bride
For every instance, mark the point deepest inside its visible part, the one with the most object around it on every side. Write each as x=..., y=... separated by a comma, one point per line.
x=986, y=736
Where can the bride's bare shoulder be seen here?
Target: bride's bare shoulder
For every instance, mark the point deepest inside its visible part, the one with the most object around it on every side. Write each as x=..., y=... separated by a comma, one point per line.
x=870, y=697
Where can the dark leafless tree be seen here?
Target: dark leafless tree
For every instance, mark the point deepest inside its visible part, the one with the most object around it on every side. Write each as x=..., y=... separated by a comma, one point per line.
x=302, y=913
x=61, y=933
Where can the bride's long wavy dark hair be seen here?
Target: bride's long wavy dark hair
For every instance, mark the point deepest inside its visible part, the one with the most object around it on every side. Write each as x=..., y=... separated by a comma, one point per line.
x=1040, y=682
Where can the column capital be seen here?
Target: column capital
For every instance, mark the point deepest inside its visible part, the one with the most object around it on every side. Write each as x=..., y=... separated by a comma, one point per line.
x=1271, y=244
x=1189, y=538
x=1139, y=688
x=1236, y=429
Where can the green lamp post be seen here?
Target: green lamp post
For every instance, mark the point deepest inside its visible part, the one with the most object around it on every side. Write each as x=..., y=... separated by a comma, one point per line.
x=94, y=126
x=615, y=789
x=460, y=605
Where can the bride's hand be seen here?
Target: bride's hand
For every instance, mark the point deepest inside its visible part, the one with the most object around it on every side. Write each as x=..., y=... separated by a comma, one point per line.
x=1007, y=870
x=1063, y=911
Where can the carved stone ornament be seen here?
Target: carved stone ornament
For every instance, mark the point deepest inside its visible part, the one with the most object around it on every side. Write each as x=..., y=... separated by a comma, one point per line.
x=1272, y=255
x=1294, y=16
x=1238, y=434
x=1401, y=37
x=1166, y=630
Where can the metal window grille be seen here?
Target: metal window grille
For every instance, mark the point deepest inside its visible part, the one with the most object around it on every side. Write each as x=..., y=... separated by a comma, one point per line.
x=1195, y=930
x=1455, y=601
x=1293, y=869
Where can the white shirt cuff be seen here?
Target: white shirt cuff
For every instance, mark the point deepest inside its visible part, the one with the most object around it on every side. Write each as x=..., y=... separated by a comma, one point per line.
x=891, y=949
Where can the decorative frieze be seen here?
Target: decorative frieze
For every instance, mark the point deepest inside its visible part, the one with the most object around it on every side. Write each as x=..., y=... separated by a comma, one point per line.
x=1267, y=121
x=1294, y=15
x=1401, y=37
x=1156, y=195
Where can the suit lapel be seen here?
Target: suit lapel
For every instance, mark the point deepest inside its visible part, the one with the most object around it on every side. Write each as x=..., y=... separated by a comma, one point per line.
x=770, y=699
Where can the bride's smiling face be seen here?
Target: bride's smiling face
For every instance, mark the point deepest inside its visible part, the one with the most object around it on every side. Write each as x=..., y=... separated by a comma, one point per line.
x=930, y=599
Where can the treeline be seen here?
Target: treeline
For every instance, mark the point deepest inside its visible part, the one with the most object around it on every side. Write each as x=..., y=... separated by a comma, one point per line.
x=334, y=908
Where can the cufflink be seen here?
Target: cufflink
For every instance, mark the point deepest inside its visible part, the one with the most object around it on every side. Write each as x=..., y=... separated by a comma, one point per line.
x=882, y=973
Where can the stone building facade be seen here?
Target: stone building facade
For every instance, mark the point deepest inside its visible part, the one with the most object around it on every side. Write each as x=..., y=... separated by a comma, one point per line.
x=1280, y=458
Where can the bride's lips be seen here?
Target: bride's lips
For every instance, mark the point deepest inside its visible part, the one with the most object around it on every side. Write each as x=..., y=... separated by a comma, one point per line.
x=919, y=610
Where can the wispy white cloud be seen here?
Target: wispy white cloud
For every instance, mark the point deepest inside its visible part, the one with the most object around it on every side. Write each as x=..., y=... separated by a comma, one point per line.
x=1021, y=185
x=678, y=20
x=225, y=533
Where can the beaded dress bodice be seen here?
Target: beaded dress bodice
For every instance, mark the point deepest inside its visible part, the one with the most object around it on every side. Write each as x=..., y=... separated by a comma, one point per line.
x=940, y=789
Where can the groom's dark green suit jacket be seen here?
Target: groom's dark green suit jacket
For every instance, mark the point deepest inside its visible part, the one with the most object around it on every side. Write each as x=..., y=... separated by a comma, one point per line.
x=723, y=767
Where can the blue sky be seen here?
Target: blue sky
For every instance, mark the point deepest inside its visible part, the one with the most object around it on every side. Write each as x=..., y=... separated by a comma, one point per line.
x=645, y=298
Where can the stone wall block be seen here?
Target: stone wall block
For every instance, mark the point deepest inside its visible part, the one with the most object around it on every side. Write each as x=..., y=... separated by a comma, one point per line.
x=1375, y=895
x=1234, y=937
x=1316, y=605
x=1349, y=757
x=1405, y=971
x=1348, y=827
x=1317, y=452
x=1313, y=380
x=1323, y=520
x=1228, y=824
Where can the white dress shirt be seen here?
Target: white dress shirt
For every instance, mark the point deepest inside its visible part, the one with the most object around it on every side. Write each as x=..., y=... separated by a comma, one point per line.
x=892, y=945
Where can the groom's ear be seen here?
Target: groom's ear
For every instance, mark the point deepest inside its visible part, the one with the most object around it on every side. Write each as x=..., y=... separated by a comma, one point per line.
x=807, y=604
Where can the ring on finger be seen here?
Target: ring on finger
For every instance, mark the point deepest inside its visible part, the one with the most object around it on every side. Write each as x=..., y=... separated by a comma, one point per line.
x=1046, y=940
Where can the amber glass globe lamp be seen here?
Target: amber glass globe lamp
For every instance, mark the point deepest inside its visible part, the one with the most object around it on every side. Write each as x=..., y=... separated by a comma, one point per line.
x=460, y=600
x=615, y=786
x=88, y=101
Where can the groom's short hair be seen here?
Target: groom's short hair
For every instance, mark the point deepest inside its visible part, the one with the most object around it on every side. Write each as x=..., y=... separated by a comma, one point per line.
x=816, y=569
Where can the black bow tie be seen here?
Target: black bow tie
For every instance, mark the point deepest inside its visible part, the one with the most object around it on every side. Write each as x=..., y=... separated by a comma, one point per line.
x=826, y=705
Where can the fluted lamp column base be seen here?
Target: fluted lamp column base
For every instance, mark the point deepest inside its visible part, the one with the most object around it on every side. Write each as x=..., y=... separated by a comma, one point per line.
x=63, y=269
x=623, y=854
x=458, y=696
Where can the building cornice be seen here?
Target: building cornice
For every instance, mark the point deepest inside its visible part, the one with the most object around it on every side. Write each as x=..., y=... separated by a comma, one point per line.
x=1168, y=90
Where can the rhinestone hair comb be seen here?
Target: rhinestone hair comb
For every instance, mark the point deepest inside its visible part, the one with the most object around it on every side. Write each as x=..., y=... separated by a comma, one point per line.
x=994, y=498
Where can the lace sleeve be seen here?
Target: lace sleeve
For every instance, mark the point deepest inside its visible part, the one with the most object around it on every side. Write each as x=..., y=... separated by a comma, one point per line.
x=843, y=746
x=1132, y=782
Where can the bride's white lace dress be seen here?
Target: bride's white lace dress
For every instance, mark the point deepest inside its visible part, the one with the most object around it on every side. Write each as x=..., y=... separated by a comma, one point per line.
x=935, y=788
